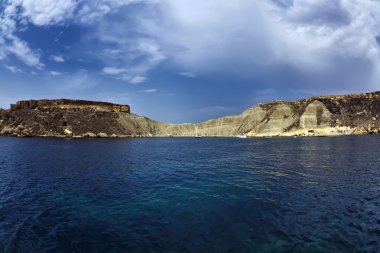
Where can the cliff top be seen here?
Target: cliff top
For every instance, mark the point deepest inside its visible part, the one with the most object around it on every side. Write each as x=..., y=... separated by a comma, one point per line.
x=70, y=103
x=370, y=95
x=375, y=94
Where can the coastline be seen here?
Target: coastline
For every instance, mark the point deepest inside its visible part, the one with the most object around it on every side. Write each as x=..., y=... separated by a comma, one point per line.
x=341, y=115
x=285, y=135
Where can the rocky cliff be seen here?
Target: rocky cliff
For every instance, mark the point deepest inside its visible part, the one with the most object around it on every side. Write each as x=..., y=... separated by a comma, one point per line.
x=322, y=115
x=316, y=116
x=70, y=104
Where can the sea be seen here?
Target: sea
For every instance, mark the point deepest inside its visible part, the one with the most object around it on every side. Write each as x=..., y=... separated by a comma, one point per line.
x=190, y=195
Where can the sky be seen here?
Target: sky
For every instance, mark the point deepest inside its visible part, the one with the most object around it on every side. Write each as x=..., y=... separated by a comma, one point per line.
x=187, y=60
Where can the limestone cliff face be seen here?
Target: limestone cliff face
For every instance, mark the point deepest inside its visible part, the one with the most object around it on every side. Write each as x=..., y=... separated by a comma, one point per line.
x=322, y=115
x=316, y=115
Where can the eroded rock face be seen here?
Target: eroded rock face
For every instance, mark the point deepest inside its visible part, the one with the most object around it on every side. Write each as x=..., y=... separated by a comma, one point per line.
x=323, y=115
x=225, y=126
x=279, y=120
x=316, y=115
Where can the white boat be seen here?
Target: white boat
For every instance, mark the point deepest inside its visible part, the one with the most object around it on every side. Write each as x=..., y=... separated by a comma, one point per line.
x=241, y=136
x=267, y=136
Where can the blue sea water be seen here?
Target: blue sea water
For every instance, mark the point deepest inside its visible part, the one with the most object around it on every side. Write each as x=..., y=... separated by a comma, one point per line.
x=190, y=195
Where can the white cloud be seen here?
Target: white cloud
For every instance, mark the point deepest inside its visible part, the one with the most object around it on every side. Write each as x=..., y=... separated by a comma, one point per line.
x=92, y=11
x=11, y=44
x=199, y=35
x=323, y=38
x=319, y=40
x=150, y=91
x=13, y=69
x=112, y=51
x=55, y=73
x=113, y=70
x=124, y=75
x=41, y=13
x=57, y=58
x=2, y=53
x=48, y=12
x=136, y=52
x=137, y=79
x=23, y=52
x=313, y=42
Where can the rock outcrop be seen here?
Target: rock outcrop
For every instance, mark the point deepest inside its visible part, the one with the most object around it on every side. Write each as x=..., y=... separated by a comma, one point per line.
x=316, y=116
x=70, y=104
x=62, y=118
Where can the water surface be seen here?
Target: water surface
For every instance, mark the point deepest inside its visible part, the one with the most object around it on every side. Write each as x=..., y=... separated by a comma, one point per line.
x=190, y=195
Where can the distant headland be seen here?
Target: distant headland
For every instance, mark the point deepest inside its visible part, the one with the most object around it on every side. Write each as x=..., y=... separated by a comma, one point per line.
x=70, y=104
x=315, y=116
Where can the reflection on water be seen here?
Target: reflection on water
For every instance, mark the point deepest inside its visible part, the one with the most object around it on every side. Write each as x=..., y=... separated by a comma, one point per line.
x=190, y=195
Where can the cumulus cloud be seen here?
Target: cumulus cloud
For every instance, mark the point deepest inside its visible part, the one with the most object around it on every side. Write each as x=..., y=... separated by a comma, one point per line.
x=300, y=43
x=48, y=12
x=316, y=40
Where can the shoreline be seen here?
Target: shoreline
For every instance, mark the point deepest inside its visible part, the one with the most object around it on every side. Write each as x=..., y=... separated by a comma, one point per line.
x=62, y=137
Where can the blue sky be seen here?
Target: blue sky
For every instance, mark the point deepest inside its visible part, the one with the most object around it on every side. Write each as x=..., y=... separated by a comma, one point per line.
x=187, y=60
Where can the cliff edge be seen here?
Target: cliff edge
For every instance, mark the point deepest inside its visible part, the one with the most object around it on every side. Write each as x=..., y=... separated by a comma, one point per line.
x=315, y=116
x=70, y=104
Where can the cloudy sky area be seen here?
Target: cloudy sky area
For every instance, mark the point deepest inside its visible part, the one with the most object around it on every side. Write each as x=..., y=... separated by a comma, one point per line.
x=187, y=60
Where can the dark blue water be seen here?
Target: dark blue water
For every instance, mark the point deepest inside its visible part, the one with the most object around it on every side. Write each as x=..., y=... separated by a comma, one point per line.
x=190, y=195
